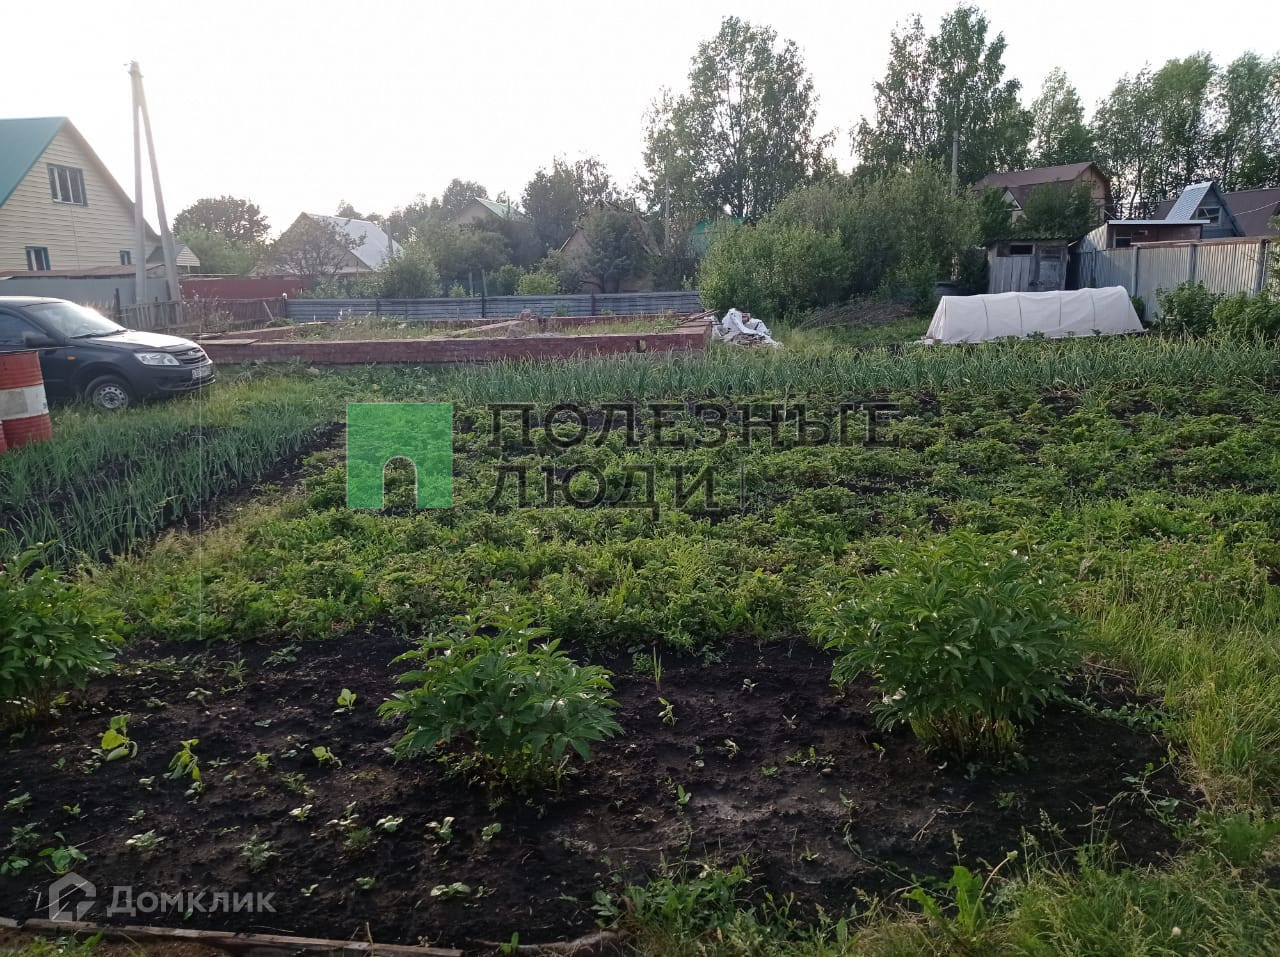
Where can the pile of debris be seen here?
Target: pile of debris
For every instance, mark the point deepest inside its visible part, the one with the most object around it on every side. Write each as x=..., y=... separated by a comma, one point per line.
x=743, y=329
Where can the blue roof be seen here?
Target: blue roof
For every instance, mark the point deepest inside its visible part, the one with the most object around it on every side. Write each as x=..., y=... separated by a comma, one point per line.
x=22, y=143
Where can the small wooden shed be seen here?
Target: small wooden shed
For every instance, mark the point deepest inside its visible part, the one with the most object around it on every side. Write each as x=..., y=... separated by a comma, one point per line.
x=1027, y=265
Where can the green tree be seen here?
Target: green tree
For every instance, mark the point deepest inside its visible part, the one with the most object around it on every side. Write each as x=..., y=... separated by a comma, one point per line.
x=1124, y=130
x=615, y=249
x=743, y=134
x=463, y=254
x=239, y=220
x=1154, y=131
x=556, y=199
x=995, y=217
x=1058, y=211
x=1245, y=144
x=314, y=248
x=1058, y=130
x=410, y=275
x=936, y=86
x=218, y=255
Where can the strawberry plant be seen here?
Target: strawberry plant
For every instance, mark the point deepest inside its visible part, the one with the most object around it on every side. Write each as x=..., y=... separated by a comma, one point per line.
x=963, y=643
x=51, y=638
x=518, y=709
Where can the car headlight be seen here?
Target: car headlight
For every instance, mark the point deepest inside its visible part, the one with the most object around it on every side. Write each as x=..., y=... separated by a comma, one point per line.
x=156, y=358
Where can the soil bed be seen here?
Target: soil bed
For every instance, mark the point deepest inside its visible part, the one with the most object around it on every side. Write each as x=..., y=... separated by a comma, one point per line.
x=822, y=803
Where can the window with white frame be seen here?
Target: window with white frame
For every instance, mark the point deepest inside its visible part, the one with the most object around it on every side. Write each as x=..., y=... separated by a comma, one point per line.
x=38, y=258
x=126, y=257
x=66, y=184
x=1211, y=213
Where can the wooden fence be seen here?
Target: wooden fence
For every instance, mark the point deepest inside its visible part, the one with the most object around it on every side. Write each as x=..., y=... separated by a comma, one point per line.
x=201, y=315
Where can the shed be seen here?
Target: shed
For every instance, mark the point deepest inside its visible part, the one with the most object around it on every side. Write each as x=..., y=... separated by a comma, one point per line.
x=1027, y=265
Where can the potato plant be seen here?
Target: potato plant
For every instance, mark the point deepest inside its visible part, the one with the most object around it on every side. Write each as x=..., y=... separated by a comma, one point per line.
x=964, y=643
x=519, y=710
x=51, y=637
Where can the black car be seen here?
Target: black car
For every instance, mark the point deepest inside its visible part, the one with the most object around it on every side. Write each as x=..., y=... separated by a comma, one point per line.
x=85, y=355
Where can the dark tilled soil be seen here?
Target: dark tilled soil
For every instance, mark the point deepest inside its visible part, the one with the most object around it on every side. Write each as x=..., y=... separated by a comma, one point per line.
x=822, y=803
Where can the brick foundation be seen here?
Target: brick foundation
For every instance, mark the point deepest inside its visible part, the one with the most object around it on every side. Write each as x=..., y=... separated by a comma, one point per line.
x=692, y=336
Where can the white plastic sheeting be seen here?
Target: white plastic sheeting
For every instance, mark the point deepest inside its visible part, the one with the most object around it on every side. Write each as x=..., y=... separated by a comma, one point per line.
x=743, y=328
x=1054, y=315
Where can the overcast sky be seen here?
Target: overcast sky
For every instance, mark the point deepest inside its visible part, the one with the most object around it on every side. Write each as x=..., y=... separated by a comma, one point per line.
x=299, y=105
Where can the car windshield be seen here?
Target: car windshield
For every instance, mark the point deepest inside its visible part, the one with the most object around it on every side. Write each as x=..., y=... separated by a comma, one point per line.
x=73, y=321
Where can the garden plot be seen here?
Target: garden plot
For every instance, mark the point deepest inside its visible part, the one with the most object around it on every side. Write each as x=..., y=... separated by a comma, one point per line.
x=1137, y=481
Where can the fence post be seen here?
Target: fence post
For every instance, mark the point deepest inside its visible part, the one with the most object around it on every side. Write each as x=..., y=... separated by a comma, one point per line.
x=1193, y=262
x=119, y=312
x=1260, y=274
x=483, y=314
x=377, y=308
x=593, y=305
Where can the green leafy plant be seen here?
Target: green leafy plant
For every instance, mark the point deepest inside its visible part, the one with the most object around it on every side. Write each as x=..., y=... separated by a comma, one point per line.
x=964, y=642
x=18, y=804
x=51, y=637
x=518, y=708
x=185, y=764
x=325, y=756
x=668, y=712
x=346, y=702
x=1187, y=309
x=116, y=743
x=967, y=893
x=62, y=858
x=145, y=844
x=257, y=853
x=443, y=830
x=490, y=831
x=1246, y=315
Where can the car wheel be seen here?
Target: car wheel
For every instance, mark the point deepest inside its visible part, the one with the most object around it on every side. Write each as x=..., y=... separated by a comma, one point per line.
x=110, y=393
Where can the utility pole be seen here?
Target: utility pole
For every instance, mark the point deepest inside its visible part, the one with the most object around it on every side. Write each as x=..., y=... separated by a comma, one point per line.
x=166, y=236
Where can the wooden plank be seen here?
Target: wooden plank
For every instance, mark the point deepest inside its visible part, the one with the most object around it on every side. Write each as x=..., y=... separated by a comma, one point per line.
x=235, y=943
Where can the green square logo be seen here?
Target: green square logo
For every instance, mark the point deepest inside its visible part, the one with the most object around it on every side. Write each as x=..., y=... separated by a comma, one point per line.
x=421, y=432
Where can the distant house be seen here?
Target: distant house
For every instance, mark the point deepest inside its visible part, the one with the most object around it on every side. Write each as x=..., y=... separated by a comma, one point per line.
x=575, y=248
x=1247, y=212
x=60, y=208
x=371, y=247
x=480, y=212
x=1017, y=185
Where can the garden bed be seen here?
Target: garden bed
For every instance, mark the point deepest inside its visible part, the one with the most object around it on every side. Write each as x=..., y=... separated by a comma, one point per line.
x=778, y=767
x=359, y=341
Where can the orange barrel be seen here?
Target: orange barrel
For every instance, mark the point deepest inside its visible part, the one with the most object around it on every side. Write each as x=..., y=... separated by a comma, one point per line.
x=24, y=411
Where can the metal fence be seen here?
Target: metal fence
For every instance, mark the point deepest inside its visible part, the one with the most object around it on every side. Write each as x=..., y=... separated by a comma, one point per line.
x=497, y=307
x=1228, y=266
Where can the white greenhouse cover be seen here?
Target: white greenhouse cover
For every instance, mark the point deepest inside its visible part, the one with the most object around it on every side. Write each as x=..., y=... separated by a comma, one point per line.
x=1054, y=315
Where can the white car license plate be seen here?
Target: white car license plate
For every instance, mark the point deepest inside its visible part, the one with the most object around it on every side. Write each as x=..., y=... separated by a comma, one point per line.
x=202, y=373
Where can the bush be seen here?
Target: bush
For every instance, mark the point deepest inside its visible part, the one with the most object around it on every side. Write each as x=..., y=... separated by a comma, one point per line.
x=538, y=284
x=504, y=280
x=410, y=275
x=773, y=270
x=1246, y=315
x=51, y=638
x=1188, y=309
x=519, y=709
x=963, y=643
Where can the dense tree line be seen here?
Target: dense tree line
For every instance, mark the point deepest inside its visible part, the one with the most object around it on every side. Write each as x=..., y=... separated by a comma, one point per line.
x=739, y=149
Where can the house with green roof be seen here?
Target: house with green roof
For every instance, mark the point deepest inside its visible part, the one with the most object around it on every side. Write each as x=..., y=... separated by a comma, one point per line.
x=480, y=211
x=61, y=210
